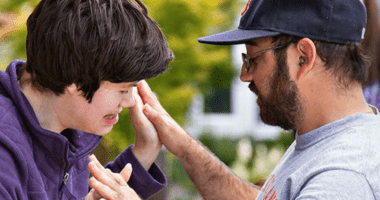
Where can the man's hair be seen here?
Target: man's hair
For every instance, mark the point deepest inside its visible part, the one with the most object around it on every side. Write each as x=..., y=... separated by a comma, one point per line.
x=346, y=62
x=89, y=41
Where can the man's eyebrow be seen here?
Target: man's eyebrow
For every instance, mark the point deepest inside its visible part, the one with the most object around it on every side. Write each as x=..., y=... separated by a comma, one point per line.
x=251, y=43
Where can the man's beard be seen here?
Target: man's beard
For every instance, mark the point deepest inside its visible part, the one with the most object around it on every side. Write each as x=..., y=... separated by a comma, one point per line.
x=283, y=106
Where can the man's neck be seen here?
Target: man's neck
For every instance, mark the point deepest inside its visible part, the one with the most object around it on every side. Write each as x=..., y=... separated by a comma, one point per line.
x=332, y=106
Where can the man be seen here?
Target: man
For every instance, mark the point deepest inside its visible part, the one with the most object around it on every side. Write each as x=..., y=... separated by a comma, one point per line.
x=84, y=59
x=305, y=64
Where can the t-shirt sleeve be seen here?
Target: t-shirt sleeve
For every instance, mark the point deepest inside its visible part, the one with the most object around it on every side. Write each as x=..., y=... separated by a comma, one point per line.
x=145, y=183
x=336, y=184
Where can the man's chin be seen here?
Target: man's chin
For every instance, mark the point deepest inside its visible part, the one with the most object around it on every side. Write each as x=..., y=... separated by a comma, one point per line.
x=273, y=120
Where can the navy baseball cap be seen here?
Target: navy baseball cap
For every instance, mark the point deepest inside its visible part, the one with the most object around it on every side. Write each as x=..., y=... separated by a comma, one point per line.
x=335, y=21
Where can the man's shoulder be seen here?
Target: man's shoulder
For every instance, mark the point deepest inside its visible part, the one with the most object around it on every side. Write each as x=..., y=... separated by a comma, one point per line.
x=366, y=129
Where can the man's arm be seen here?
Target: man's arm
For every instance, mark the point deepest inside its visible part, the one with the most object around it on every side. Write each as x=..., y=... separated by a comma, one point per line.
x=211, y=177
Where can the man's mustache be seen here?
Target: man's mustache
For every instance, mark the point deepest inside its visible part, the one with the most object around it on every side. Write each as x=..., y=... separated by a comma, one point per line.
x=253, y=88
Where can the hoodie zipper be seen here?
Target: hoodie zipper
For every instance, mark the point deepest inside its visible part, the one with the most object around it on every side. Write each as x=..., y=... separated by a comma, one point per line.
x=65, y=178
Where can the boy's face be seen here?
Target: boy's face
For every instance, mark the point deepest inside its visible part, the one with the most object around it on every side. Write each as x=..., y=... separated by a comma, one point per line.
x=99, y=116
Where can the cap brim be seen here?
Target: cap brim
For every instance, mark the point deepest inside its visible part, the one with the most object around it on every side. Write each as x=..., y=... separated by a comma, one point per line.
x=237, y=36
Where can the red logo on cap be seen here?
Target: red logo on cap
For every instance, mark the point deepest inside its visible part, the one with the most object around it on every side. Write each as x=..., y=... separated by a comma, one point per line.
x=246, y=8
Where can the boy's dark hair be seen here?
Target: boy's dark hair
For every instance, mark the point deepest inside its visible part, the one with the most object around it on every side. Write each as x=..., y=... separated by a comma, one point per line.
x=89, y=41
x=347, y=62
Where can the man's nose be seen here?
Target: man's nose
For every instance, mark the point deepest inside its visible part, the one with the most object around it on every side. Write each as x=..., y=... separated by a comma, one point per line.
x=245, y=76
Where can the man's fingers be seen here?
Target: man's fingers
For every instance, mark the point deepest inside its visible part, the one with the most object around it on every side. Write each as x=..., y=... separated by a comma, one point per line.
x=149, y=97
x=143, y=87
x=126, y=172
x=152, y=115
x=168, y=130
x=144, y=91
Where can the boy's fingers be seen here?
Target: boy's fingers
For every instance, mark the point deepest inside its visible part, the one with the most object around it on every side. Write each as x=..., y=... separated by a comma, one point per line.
x=126, y=172
x=103, y=190
x=93, y=195
x=95, y=160
x=105, y=176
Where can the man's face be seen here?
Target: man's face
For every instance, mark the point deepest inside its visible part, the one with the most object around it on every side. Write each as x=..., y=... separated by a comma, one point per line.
x=99, y=116
x=278, y=95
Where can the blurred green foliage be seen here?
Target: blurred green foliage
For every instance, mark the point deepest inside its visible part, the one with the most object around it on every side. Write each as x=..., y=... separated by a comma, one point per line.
x=224, y=148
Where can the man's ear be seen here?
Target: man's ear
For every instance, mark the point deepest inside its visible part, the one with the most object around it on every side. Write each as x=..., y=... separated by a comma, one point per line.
x=307, y=53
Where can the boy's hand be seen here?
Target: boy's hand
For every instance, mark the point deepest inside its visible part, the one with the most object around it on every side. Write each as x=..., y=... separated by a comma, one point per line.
x=108, y=185
x=147, y=145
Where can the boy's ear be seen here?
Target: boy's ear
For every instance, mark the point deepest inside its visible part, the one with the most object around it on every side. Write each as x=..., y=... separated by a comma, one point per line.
x=72, y=89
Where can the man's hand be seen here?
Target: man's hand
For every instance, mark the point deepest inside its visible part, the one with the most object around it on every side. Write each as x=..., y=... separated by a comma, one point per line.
x=170, y=133
x=211, y=177
x=147, y=145
x=108, y=185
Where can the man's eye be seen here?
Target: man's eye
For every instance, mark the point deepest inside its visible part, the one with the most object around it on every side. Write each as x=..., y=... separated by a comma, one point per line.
x=124, y=91
x=252, y=61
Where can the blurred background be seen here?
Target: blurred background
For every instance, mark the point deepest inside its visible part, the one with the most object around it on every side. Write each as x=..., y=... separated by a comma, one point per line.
x=201, y=90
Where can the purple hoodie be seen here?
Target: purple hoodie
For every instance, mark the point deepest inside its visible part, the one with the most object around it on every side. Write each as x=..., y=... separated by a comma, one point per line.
x=40, y=164
x=372, y=94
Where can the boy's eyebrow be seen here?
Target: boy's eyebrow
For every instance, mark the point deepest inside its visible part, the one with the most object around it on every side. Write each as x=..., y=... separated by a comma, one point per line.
x=126, y=84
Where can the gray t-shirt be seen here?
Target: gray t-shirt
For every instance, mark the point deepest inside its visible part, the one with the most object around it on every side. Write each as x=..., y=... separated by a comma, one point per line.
x=340, y=160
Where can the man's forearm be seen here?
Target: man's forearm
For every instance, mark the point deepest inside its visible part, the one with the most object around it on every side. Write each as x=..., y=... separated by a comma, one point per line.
x=213, y=178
